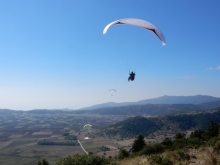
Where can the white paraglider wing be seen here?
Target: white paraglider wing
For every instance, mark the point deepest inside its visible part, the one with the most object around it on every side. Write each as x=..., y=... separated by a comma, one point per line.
x=112, y=90
x=88, y=126
x=140, y=23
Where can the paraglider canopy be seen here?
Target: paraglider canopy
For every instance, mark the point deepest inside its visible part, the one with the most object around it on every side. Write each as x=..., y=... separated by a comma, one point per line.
x=88, y=126
x=112, y=91
x=140, y=23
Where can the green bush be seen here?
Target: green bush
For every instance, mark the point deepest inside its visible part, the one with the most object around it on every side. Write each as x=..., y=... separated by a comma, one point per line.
x=138, y=144
x=43, y=162
x=159, y=160
x=84, y=160
x=152, y=149
x=123, y=154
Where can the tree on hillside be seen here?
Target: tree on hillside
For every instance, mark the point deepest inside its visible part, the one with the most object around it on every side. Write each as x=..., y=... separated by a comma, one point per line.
x=213, y=129
x=179, y=136
x=138, y=144
x=197, y=134
x=167, y=142
x=123, y=154
x=43, y=162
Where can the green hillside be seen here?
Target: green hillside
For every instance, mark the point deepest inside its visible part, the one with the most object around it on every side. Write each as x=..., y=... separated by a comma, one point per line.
x=170, y=123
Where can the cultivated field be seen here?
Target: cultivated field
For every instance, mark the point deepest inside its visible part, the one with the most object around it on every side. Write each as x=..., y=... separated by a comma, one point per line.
x=21, y=132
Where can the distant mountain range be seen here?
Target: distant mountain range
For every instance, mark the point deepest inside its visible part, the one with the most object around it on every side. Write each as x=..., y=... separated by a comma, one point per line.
x=151, y=109
x=198, y=99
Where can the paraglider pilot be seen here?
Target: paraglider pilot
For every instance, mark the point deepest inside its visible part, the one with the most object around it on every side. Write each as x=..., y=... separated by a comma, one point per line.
x=132, y=76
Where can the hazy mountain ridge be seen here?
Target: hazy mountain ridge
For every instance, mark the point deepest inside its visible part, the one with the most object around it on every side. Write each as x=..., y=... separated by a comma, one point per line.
x=148, y=109
x=197, y=99
x=210, y=105
x=151, y=109
x=139, y=108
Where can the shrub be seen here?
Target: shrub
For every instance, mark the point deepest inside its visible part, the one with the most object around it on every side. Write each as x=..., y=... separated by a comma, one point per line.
x=84, y=160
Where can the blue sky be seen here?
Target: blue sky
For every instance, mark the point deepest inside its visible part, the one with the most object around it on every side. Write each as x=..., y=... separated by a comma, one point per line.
x=53, y=53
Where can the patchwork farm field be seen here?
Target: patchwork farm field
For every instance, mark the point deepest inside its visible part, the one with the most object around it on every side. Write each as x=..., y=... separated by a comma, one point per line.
x=27, y=137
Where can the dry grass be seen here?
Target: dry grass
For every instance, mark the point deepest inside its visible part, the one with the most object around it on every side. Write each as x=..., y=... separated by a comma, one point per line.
x=211, y=157
x=173, y=156
x=140, y=160
x=143, y=160
x=126, y=142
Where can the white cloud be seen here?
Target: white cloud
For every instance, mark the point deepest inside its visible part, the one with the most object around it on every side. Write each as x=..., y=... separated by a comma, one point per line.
x=211, y=68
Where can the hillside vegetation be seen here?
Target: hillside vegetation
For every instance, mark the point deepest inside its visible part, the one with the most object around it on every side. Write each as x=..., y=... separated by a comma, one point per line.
x=171, y=123
x=201, y=147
